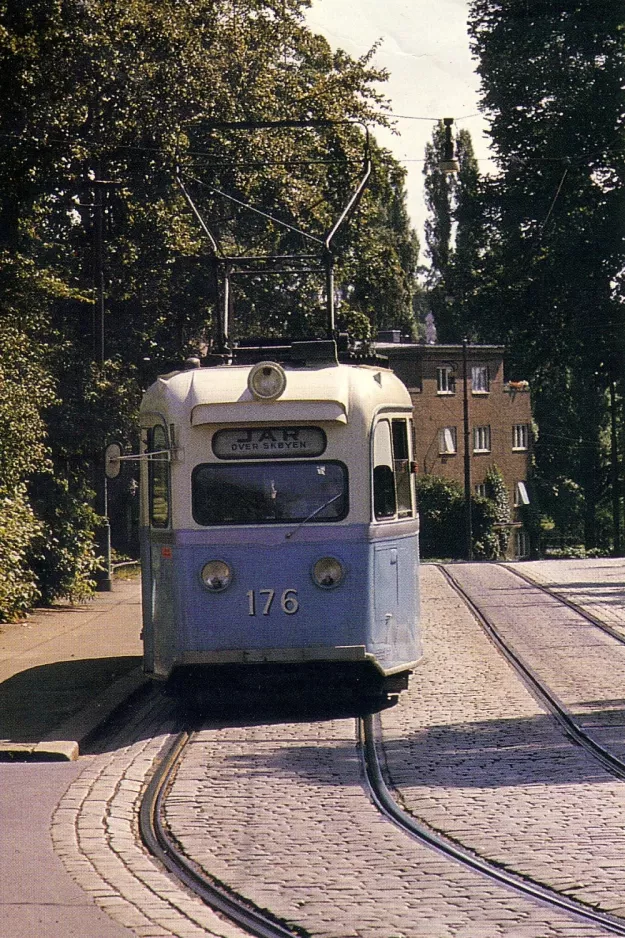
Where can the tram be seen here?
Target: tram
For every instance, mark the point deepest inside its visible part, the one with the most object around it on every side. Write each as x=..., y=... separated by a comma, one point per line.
x=279, y=528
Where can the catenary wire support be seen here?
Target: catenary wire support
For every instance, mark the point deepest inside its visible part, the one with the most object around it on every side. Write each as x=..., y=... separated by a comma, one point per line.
x=226, y=266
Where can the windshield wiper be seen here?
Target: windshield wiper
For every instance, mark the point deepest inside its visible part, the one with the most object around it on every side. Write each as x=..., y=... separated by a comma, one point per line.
x=334, y=498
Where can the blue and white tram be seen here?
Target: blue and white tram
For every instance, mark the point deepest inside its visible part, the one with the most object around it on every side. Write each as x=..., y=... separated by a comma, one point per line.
x=279, y=524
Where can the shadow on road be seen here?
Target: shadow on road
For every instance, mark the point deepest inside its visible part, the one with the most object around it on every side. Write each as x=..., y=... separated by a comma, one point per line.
x=36, y=700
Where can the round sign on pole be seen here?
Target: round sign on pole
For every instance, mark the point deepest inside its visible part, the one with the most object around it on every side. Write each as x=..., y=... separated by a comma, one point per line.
x=112, y=461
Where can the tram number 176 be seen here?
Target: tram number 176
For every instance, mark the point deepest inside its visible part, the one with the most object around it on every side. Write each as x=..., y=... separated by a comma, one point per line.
x=289, y=602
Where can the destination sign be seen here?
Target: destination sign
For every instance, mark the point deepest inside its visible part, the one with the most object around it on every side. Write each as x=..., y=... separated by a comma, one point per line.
x=269, y=443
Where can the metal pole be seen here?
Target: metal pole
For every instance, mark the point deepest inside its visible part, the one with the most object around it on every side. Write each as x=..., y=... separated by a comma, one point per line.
x=98, y=338
x=329, y=264
x=467, y=452
x=225, y=315
x=614, y=467
x=104, y=582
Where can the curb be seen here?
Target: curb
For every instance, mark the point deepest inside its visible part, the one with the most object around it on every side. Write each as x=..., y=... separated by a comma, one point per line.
x=63, y=743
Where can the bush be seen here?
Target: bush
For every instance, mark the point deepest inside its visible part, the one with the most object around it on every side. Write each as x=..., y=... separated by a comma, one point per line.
x=574, y=552
x=25, y=387
x=497, y=494
x=441, y=510
x=443, y=521
x=63, y=556
x=19, y=528
x=46, y=544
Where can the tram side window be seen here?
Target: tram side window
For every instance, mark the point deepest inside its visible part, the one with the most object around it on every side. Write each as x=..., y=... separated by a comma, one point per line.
x=384, y=503
x=159, y=479
x=401, y=465
x=392, y=486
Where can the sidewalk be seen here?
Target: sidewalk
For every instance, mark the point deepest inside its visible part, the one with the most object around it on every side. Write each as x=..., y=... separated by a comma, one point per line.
x=64, y=669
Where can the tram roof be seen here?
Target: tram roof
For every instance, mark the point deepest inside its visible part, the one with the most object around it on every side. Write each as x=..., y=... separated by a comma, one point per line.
x=221, y=394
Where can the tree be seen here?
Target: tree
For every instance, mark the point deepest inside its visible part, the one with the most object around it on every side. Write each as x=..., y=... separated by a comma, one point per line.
x=550, y=283
x=103, y=101
x=379, y=266
x=454, y=234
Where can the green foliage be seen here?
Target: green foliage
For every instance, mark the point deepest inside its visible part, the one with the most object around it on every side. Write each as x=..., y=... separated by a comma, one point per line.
x=573, y=552
x=101, y=102
x=550, y=277
x=62, y=556
x=443, y=521
x=454, y=235
x=45, y=540
x=378, y=267
x=24, y=389
x=497, y=493
x=441, y=513
x=19, y=528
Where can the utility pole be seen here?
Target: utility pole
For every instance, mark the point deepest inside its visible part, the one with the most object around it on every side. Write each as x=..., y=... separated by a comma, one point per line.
x=98, y=271
x=468, y=523
x=104, y=581
x=614, y=472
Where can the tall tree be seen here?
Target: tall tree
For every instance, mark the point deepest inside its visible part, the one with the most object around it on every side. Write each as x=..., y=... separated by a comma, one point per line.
x=102, y=101
x=453, y=234
x=551, y=283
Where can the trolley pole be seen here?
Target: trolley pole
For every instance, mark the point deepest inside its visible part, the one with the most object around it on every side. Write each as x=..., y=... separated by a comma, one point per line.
x=468, y=529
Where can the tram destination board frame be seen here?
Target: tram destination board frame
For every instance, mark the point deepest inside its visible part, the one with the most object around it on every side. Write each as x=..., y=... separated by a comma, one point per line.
x=269, y=443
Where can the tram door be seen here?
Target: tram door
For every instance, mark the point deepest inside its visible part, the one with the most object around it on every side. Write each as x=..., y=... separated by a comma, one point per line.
x=395, y=570
x=157, y=559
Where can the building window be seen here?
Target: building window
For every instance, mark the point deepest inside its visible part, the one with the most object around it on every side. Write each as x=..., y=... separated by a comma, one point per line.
x=480, y=381
x=520, y=436
x=520, y=495
x=480, y=489
x=447, y=441
x=481, y=439
x=445, y=380
x=522, y=543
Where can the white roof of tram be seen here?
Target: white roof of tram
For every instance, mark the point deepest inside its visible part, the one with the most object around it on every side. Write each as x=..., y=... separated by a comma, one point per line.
x=218, y=395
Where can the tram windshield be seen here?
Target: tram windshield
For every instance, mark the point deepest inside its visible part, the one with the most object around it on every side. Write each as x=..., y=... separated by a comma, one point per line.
x=269, y=493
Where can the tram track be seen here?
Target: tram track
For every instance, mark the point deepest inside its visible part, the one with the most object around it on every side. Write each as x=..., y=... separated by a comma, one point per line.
x=386, y=803
x=164, y=847
x=261, y=923
x=389, y=806
x=566, y=601
x=538, y=688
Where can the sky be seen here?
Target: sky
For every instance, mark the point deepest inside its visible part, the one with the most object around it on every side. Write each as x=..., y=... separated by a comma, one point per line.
x=425, y=48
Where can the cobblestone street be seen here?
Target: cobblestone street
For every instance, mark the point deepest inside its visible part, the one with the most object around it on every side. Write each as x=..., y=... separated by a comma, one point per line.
x=277, y=810
x=475, y=756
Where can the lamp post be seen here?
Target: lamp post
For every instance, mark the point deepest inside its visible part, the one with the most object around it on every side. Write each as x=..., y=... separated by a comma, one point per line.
x=449, y=163
x=468, y=524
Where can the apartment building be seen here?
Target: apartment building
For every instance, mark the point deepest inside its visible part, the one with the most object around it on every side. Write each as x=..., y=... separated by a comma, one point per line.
x=498, y=417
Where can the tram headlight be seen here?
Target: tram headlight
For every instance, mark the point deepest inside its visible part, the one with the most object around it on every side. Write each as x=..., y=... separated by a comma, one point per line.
x=267, y=381
x=216, y=576
x=328, y=572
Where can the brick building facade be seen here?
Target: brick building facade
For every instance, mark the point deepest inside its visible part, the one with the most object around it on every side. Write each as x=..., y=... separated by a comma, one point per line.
x=498, y=412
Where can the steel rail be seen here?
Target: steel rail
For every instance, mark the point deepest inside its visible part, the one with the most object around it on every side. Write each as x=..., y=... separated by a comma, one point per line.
x=556, y=594
x=156, y=838
x=541, y=692
x=384, y=801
